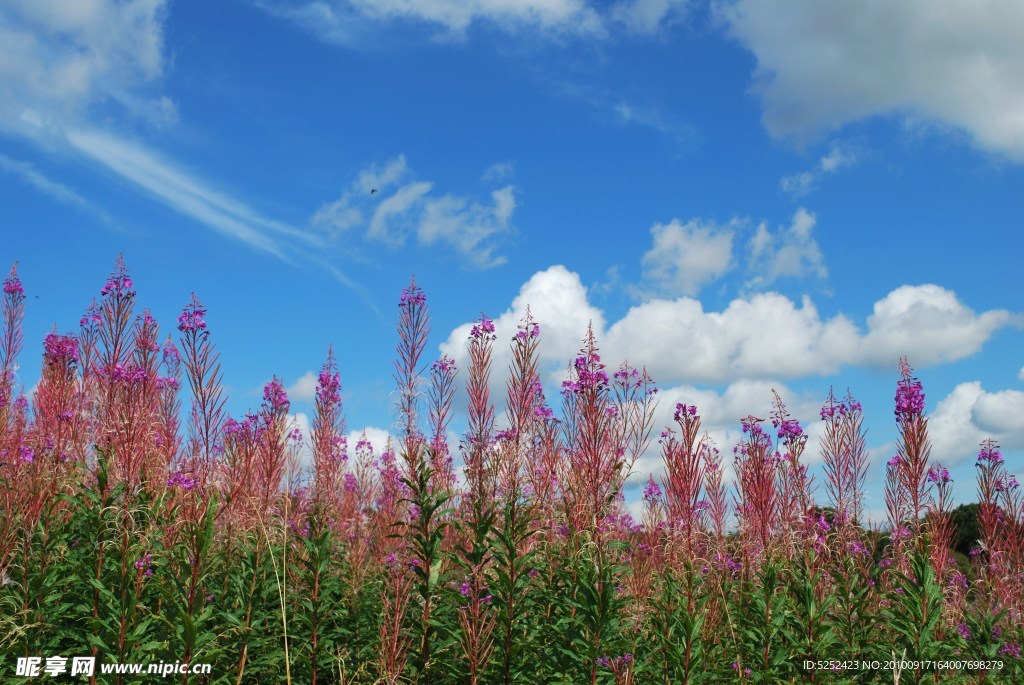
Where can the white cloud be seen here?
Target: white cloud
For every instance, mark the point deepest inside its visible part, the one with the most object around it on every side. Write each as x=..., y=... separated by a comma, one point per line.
x=932, y=322
x=498, y=172
x=304, y=388
x=800, y=184
x=403, y=208
x=721, y=413
x=64, y=66
x=185, y=193
x=766, y=335
x=342, y=21
x=58, y=58
x=647, y=16
x=377, y=437
x=790, y=252
x=389, y=220
x=469, y=226
x=301, y=421
x=970, y=414
x=823, y=64
x=684, y=257
x=762, y=336
x=58, y=191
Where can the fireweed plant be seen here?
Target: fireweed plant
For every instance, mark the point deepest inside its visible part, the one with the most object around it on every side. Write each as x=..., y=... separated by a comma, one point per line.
x=140, y=522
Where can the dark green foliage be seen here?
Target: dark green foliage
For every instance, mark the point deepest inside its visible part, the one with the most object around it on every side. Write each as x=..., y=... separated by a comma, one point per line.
x=77, y=582
x=677, y=624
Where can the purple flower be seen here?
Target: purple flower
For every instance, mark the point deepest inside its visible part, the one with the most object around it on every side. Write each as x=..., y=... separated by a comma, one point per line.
x=1011, y=649
x=789, y=429
x=443, y=365
x=483, y=330
x=534, y=332
x=328, y=385
x=412, y=296
x=351, y=485
x=683, y=410
x=909, y=398
x=181, y=480
x=275, y=396
x=26, y=454
x=145, y=562
x=119, y=285
x=589, y=375
x=91, y=318
x=859, y=548
x=191, y=318
x=895, y=461
x=544, y=413
x=991, y=454
x=12, y=286
x=938, y=475
x=464, y=590
x=60, y=349
x=652, y=491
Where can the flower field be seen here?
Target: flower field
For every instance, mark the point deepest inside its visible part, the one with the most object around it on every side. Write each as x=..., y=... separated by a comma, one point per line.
x=140, y=523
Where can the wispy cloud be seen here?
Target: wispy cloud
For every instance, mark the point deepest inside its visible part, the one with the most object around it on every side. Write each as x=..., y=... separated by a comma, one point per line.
x=390, y=206
x=60, y=63
x=344, y=22
x=648, y=16
x=647, y=116
x=840, y=155
x=186, y=193
x=58, y=191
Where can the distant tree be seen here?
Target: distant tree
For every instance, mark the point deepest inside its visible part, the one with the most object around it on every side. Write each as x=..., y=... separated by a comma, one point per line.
x=965, y=528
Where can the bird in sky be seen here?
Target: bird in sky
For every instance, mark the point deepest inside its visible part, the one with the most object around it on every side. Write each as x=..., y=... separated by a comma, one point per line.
x=372, y=191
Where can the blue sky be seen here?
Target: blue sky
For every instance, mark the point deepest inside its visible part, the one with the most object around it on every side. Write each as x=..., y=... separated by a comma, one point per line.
x=740, y=195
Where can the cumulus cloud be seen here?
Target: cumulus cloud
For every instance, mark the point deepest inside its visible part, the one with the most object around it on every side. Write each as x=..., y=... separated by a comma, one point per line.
x=762, y=336
x=392, y=206
x=300, y=421
x=789, y=252
x=558, y=300
x=683, y=257
x=304, y=388
x=932, y=322
x=721, y=411
x=800, y=184
x=377, y=437
x=823, y=64
x=970, y=414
